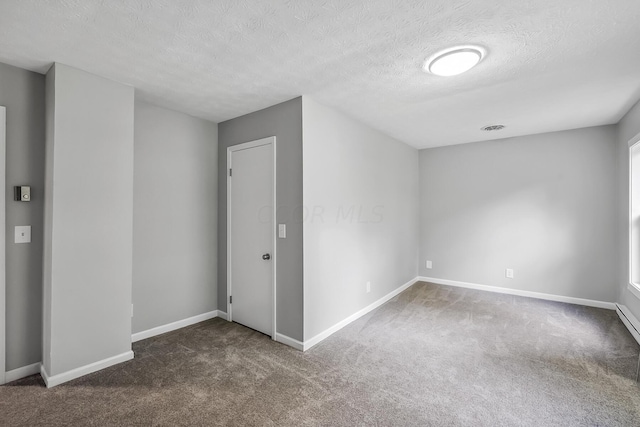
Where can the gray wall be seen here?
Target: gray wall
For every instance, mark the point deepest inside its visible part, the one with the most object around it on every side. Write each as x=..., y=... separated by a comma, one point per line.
x=628, y=127
x=284, y=121
x=361, y=216
x=89, y=220
x=544, y=205
x=174, y=216
x=22, y=92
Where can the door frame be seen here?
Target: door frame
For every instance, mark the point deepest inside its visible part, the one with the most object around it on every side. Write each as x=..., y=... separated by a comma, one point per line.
x=230, y=150
x=3, y=263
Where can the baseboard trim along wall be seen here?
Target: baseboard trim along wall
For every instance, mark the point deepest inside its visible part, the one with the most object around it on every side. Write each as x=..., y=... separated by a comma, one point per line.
x=25, y=371
x=630, y=321
x=201, y=318
x=177, y=325
x=355, y=316
x=291, y=342
x=52, y=381
x=530, y=294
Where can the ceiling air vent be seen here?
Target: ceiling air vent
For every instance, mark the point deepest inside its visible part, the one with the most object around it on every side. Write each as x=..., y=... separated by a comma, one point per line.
x=493, y=127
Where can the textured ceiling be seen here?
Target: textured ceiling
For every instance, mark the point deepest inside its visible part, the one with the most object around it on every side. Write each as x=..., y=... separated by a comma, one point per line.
x=552, y=64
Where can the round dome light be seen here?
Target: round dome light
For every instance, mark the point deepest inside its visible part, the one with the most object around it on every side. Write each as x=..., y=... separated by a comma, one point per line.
x=454, y=61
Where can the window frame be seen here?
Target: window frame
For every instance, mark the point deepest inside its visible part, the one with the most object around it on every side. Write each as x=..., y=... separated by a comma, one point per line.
x=634, y=235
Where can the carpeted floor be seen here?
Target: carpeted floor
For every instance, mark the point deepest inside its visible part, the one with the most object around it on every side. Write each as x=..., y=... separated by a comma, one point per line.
x=434, y=355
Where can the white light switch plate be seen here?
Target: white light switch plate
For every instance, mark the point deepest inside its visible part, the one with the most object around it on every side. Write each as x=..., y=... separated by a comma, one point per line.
x=282, y=231
x=23, y=234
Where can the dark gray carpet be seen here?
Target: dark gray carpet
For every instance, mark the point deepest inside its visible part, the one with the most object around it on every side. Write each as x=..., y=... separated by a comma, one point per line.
x=434, y=355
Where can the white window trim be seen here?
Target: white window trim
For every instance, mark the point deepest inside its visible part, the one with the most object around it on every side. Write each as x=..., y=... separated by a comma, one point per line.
x=634, y=288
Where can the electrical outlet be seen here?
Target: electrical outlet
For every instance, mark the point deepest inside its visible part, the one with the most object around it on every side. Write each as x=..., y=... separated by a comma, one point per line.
x=368, y=287
x=509, y=273
x=429, y=264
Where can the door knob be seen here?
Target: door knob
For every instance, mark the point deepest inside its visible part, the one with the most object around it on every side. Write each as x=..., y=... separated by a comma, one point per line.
x=266, y=257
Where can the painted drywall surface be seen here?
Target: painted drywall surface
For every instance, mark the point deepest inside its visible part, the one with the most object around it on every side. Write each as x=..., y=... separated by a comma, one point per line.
x=22, y=93
x=543, y=205
x=174, y=216
x=89, y=221
x=360, y=216
x=284, y=121
x=628, y=127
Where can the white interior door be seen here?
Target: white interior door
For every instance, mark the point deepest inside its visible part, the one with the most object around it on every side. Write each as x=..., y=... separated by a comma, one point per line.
x=251, y=234
x=3, y=304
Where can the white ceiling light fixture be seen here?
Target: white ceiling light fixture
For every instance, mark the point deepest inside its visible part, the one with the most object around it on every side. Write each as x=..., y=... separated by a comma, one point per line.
x=454, y=61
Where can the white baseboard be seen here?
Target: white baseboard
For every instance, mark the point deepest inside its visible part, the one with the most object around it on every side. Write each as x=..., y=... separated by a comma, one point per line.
x=630, y=321
x=52, y=381
x=290, y=342
x=335, y=328
x=175, y=325
x=25, y=371
x=530, y=294
x=223, y=315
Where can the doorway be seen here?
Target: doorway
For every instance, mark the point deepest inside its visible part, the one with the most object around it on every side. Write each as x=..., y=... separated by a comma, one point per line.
x=251, y=248
x=3, y=304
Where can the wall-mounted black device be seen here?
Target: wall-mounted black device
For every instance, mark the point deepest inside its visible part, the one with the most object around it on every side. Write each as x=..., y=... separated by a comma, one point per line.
x=22, y=193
